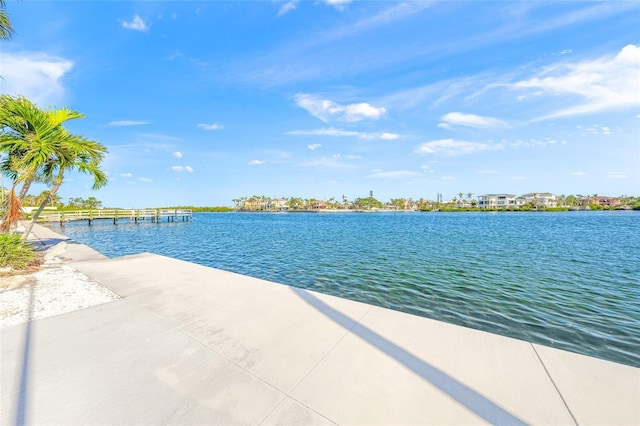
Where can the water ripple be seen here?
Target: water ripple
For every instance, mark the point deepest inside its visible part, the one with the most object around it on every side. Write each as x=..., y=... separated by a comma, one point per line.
x=568, y=280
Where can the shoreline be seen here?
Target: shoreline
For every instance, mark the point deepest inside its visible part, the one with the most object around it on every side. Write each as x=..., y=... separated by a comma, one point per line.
x=189, y=344
x=539, y=326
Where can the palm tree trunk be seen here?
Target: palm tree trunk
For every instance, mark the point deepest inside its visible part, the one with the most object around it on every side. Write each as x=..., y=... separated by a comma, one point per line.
x=44, y=203
x=24, y=190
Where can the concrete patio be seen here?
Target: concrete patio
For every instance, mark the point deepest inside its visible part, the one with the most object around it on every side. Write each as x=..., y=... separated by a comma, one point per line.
x=189, y=344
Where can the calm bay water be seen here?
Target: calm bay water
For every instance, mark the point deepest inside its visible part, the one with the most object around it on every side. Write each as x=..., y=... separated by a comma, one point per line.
x=569, y=280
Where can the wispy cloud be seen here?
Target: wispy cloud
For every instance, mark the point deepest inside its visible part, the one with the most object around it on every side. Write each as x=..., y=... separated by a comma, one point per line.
x=213, y=126
x=36, y=75
x=124, y=123
x=397, y=174
x=177, y=154
x=256, y=162
x=617, y=175
x=451, y=147
x=137, y=24
x=144, y=179
x=469, y=120
x=314, y=146
x=332, y=131
x=327, y=110
x=600, y=85
x=288, y=7
x=126, y=175
x=187, y=169
x=336, y=161
x=338, y=4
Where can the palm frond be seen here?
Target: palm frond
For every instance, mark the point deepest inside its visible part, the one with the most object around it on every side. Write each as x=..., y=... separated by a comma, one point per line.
x=6, y=28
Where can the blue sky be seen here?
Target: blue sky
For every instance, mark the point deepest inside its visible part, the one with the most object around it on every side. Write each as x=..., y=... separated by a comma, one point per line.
x=203, y=102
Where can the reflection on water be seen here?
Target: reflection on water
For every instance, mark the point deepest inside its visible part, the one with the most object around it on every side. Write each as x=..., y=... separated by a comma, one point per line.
x=568, y=280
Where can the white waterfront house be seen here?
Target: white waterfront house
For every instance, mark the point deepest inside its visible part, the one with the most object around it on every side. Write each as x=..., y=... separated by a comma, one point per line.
x=499, y=201
x=510, y=201
x=541, y=199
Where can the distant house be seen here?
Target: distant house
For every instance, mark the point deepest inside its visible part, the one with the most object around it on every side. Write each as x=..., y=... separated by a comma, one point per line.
x=279, y=204
x=540, y=199
x=319, y=205
x=601, y=201
x=499, y=201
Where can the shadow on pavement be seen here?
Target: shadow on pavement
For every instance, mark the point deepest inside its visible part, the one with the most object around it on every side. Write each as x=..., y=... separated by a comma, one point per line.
x=466, y=396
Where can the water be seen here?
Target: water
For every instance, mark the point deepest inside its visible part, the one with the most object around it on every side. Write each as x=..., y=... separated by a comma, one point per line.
x=570, y=280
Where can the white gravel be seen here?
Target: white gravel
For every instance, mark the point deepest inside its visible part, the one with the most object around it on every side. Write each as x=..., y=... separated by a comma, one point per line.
x=57, y=289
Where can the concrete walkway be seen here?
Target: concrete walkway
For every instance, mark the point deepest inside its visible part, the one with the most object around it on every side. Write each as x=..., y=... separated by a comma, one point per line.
x=189, y=344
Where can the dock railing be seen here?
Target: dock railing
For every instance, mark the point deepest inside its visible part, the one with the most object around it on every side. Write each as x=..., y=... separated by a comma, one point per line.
x=134, y=215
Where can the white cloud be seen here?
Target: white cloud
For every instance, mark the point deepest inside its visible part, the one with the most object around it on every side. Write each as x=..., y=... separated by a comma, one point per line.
x=398, y=174
x=617, y=175
x=451, y=147
x=137, y=24
x=327, y=110
x=314, y=146
x=288, y=7
x=144, y=179
x=177, y=154
x=187, y=169
x=389, y=136
x=448, y=178
x=338, y=4
x=35, y=75
x=602, y=84
x=126, y=175
x=213, y=126
x=256, y=162
x=325, y=132
x=332, y=131
x=336, y=161
x=469, y=120
x=123, y=123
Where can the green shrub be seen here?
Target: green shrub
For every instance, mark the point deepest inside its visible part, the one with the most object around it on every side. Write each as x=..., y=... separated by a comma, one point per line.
x=14, y=252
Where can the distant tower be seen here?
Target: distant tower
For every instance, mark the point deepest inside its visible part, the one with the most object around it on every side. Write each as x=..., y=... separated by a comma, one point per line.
x=370, y=194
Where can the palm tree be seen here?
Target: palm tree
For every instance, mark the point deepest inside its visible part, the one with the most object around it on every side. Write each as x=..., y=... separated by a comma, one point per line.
x=75, y=153
x=28, y=131
x=40, y=149
x=6, y=29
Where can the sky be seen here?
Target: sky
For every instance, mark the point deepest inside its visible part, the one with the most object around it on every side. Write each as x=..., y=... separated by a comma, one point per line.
x=199, y=103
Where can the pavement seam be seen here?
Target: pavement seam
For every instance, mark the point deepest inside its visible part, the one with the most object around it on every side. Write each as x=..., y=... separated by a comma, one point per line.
x=284, y=394
x=299, y=402
x=346, y=333
x=575, y=421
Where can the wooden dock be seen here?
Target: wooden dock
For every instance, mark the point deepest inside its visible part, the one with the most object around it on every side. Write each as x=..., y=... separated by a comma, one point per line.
x=115, y=215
